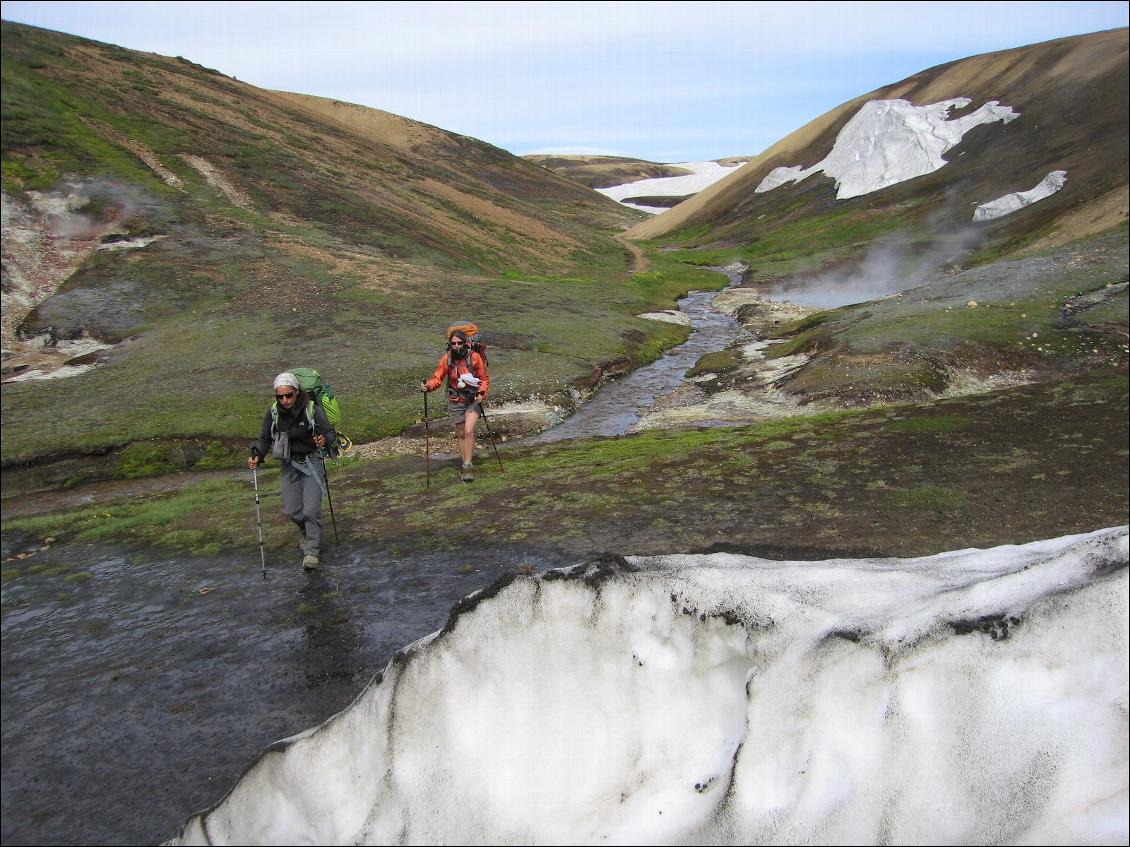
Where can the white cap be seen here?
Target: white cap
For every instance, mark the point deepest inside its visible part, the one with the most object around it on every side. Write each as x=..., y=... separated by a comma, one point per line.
x=286, y=378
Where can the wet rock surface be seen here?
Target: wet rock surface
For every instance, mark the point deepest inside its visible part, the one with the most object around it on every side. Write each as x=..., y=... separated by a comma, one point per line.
x=136, y=687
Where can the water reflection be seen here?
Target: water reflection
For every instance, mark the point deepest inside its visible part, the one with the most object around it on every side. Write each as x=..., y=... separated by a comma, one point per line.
x=330, y=651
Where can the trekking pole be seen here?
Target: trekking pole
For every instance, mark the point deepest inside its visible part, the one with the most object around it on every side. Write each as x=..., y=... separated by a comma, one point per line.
x=486, y=423
x=427, y=444
x=329, y=496
x=259, y=519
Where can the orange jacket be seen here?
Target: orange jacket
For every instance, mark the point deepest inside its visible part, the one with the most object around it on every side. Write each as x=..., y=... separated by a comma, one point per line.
x=474, y=366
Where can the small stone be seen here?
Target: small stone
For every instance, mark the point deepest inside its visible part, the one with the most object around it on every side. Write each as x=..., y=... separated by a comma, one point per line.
x=972, y=304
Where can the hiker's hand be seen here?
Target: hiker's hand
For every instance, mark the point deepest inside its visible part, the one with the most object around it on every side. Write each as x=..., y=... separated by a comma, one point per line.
x=252, y=462
x=424, y=387
x=479, y=398
x=319, y=440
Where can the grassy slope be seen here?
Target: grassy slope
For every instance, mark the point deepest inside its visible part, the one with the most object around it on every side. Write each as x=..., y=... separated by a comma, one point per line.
x=210, y=375
x=352, y=255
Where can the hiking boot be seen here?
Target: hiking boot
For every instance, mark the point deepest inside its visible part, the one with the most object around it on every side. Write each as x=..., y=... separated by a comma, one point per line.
x=467, y=474
x=310, y=562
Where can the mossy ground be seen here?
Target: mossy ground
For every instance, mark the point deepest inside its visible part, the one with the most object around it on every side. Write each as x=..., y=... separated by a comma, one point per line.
x=206, y=374
x=1031, y=462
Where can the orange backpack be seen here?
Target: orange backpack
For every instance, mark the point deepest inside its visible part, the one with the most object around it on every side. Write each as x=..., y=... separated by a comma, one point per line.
x=474, y=337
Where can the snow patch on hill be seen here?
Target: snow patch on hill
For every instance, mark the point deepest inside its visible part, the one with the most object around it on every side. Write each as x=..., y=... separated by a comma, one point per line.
x=1010, y=203
x=891, y=141
x=703, y=175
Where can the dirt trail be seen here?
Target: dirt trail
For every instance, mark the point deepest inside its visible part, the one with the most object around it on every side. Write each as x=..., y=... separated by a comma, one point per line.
x=640, y=263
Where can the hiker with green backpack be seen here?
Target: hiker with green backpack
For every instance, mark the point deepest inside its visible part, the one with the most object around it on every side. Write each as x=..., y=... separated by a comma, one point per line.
x=297, y=431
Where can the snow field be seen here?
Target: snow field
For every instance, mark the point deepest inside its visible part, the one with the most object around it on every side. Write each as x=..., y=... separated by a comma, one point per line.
x=971, y=697
x=890, y=141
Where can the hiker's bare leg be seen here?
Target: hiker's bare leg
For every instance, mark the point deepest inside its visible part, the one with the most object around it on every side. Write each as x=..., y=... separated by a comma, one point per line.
x=467, y=436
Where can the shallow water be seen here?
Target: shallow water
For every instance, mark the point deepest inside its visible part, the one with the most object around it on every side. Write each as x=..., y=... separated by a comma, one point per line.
x=617, y=405
x=136, y=687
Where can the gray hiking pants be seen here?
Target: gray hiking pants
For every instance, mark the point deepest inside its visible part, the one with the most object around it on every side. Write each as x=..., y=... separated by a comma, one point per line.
x=302, y=502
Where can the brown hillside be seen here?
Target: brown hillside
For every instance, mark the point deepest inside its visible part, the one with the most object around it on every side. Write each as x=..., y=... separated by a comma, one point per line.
x=80, y=108
x=1071, y=94
x=605, y=171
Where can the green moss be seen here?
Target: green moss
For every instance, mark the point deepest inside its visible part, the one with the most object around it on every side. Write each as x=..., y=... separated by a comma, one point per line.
x=143, y=458
x=929, y=423
x=49, y=569
x=722, y=361
x=801, y=325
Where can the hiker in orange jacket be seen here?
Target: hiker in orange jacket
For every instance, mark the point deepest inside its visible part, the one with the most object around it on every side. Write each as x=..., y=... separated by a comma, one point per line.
x=467, y=384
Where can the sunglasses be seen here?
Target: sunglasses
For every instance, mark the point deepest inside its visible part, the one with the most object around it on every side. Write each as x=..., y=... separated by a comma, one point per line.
x=288, y=396
x=456, y=343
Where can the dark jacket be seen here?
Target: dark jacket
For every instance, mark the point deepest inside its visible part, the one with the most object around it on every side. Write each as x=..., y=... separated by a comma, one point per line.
x=296, y=425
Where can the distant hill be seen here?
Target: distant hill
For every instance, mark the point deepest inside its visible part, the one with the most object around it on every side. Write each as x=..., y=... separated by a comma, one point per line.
x=605, y=171
x=660, y=187
x=961, y=231
x=1069, y=97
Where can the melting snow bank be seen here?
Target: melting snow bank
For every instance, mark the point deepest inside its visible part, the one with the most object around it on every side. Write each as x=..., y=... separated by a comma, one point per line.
x=1010, y=203
x=703, y=175
x=891, y=141
x=978, y=696
x=671, y=316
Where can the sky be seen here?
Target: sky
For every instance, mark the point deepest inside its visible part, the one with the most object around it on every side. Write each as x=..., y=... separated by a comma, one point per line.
x=662, y=81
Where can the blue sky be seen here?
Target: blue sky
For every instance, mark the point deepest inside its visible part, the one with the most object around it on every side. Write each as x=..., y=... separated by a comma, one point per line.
x=667, y=82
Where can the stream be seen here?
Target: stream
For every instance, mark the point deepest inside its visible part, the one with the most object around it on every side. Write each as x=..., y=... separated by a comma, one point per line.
x=617, y=405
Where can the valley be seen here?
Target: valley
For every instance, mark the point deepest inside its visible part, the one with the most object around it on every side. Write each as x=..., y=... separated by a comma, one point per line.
x=856, y=376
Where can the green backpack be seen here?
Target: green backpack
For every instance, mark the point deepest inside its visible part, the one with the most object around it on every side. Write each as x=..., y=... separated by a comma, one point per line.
x=321, y=393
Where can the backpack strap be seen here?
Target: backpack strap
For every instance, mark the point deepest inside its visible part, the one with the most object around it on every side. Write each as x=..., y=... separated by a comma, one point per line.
x=275, y=417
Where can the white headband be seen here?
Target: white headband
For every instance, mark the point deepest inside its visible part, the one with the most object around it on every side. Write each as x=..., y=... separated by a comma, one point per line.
x=287, y=378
